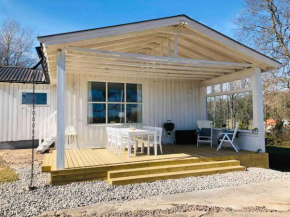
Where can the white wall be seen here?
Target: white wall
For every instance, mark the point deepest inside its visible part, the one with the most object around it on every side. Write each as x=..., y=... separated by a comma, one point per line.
x=15, y=119
x=247, y=140
x=163, y=100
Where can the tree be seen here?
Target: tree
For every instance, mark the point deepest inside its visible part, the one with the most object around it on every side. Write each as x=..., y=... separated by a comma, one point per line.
x=265, y=26
x=16, y=44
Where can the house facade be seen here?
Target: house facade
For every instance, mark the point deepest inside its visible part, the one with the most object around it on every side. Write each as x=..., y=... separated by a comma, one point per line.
x=145, y=73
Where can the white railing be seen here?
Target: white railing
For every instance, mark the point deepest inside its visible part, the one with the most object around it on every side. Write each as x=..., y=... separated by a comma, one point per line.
x=47, y=129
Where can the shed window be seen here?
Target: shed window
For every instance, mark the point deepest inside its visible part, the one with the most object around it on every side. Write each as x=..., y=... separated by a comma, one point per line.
x=110, y=102
x=40, y=98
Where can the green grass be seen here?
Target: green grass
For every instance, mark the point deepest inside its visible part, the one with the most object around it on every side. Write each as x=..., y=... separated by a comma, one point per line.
x=7, y=174
x=279, y=157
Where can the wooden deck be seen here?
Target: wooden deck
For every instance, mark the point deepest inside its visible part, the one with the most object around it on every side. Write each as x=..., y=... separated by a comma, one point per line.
x=100, y=161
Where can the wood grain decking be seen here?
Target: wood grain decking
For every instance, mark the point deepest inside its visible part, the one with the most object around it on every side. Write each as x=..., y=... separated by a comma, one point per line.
x=82, y=163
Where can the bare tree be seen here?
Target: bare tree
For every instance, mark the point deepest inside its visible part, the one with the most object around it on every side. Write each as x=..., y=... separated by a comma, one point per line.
x=16, y=44
x=265, y=26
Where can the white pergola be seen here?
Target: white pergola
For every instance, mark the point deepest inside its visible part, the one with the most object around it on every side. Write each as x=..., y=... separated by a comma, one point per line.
x=174, y=48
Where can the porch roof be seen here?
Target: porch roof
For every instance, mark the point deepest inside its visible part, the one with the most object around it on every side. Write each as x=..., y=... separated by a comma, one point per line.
x=146, y=49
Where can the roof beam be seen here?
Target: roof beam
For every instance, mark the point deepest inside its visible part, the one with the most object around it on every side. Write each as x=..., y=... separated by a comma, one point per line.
x=230, y=77
x=139, y=73
x=107, y=44
x=101, y=66
x=155, y=59
x=104, y=61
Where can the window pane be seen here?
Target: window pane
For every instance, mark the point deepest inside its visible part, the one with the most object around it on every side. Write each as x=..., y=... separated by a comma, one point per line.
x=115, y=92
x=208, y=90
x=96, y=91
x=134, y=113
x=96, y=113
x=231, y=108
x=116, y=113
x=237, y=84
x=247, y=82
x=217, y=88
x=226, y=86
x=40, y=98
x=134, y=92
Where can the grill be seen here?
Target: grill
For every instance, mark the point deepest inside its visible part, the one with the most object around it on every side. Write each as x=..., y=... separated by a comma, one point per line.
x=169, y=128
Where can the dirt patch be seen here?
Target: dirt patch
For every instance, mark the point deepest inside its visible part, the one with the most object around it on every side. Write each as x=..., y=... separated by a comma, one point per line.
x=19, y=157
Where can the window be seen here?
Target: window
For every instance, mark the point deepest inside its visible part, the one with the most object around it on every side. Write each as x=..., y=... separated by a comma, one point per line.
x=27, y=98
x=227, y=109
x=110, y=102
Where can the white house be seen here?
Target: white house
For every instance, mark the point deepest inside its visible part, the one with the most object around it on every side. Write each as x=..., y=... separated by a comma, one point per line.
x=164, y=67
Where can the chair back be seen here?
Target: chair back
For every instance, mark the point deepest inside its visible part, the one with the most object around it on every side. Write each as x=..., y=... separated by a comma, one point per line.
x=70, y=130
x=204, y=124
x=236, y=130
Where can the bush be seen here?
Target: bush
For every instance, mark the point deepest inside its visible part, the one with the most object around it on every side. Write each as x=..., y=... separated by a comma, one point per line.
x=278, y=136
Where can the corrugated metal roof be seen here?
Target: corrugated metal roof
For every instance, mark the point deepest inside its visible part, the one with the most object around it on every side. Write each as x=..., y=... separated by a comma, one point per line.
x=13, y=74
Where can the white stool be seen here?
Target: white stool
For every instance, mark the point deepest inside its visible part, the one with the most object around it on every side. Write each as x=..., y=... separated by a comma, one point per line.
x=71, y=135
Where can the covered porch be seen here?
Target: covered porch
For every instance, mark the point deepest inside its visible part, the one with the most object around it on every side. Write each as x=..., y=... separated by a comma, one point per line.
x=172, y=63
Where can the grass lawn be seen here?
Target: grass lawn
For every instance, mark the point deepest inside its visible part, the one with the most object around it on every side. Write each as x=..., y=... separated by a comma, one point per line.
x=279, y=157
x=7, y=174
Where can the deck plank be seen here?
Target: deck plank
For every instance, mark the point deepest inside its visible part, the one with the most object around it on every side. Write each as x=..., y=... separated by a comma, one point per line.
x=78, y=158
x=69, y=160
x=73, y=158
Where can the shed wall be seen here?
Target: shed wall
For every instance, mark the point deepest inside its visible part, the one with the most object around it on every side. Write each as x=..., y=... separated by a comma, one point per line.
x=16, y=119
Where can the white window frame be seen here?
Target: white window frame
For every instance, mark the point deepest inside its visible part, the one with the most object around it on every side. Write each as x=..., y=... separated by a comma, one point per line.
x=243, y=89
x=107, y=103
x=36, y=91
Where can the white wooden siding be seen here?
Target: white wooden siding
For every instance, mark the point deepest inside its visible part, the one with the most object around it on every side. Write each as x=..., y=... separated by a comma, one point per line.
x=163, y=99
x=16, y=120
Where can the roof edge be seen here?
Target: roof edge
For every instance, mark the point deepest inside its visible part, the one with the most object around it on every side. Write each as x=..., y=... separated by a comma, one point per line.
x=42, y=56
x=105, y=27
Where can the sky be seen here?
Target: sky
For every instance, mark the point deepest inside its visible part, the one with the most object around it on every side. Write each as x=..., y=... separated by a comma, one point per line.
x=57, y=16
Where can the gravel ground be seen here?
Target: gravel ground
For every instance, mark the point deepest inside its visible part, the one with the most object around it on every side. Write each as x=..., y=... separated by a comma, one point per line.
x=183, y=208
x=15, y=201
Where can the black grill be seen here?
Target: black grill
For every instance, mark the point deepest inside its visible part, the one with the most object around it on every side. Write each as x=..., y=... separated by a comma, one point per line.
x=169, y=127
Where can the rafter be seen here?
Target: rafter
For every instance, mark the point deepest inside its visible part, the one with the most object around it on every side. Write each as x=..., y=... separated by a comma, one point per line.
x=161, y=60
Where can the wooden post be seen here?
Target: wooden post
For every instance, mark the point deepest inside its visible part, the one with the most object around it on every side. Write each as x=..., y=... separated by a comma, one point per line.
x=202, y=100
x=175, y=46
x=169, y=47
x=60, y=135
x=258, y=116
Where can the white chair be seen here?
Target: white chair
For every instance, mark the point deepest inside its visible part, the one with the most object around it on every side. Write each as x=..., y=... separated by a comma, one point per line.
x=71, y=135
x=109, y=137
x=150, y=140
x=122, y=142
x=113, y=138
x=203, y=136
x=229, y=138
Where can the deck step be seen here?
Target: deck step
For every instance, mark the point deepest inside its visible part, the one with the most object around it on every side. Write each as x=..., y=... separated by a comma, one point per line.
x=131, y=176
x=171, y=168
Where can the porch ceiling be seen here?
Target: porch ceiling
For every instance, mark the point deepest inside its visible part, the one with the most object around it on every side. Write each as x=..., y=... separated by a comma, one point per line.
x=185, y=39
x=86, y=60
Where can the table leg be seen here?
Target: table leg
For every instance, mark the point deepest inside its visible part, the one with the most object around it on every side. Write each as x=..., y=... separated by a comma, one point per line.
x=129, y=145
x=142, y=145
x=155, y=143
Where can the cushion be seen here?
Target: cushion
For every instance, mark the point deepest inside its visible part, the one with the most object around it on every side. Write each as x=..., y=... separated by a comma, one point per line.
x=205, y=132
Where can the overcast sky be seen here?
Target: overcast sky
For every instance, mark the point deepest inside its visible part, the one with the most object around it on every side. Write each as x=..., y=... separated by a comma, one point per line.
x=57, y=16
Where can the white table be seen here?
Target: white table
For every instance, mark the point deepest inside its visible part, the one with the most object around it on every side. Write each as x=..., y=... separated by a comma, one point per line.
x=140, y=132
